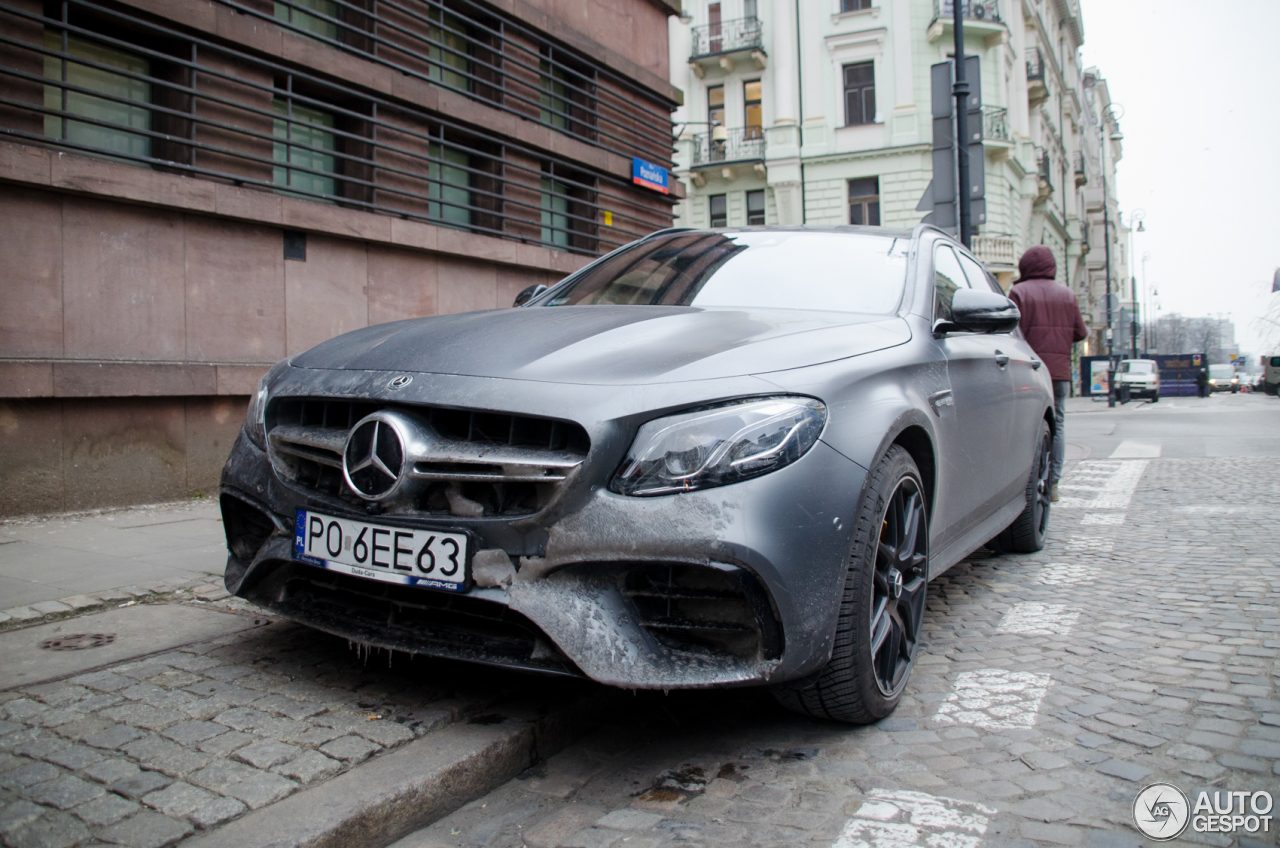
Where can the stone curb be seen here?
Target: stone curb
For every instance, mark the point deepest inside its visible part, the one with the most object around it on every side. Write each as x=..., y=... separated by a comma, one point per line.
x=191, y=589
x=403, y=791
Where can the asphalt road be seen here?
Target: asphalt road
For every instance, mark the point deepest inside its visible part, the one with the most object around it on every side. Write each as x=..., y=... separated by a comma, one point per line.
x=1221, y=425
x=1139, y=646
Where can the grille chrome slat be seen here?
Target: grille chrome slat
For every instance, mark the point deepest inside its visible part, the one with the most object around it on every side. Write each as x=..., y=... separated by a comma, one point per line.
x=512, y=464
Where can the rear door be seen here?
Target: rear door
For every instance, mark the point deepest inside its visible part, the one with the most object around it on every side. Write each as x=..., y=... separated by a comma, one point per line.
x=977, y=459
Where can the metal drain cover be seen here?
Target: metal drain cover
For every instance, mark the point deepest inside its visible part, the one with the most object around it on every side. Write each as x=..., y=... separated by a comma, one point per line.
x=78, y=641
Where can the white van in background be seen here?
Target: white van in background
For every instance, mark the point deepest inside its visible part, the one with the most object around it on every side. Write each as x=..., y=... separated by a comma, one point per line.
x=1142, y=376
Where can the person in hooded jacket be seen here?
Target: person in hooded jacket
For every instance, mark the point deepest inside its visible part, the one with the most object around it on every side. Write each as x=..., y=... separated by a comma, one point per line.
x=1052, y=323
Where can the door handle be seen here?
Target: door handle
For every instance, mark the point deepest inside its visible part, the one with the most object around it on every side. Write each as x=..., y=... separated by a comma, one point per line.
x=1035, y=363
x=1002, y=360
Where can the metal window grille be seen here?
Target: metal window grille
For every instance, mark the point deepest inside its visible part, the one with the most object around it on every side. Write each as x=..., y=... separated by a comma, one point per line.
x=742, y=144
x=150, y=95
x=464, y=46
x=726, y=36
x=977, y=10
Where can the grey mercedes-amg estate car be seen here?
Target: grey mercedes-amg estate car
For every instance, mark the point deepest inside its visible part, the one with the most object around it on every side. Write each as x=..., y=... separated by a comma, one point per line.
x=723, y=457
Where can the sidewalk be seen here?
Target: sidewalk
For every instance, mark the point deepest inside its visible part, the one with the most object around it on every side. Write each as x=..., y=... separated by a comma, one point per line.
x=52, y=564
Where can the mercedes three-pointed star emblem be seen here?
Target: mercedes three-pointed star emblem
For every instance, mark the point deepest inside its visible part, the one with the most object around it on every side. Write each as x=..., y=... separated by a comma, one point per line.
x=374, y=458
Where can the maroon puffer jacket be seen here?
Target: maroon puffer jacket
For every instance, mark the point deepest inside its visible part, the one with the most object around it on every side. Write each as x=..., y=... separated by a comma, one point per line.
x=1051, y=319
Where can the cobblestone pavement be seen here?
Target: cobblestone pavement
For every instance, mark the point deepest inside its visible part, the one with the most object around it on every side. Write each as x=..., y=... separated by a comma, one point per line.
x=1139, y=645
x=146, y=753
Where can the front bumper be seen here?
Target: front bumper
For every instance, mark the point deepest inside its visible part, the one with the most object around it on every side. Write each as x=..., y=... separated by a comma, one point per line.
x=772, y=550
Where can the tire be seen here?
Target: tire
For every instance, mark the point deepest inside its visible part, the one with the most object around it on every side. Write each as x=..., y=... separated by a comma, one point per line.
x=882, y=608
x=1027, y=532
x=1155, y=398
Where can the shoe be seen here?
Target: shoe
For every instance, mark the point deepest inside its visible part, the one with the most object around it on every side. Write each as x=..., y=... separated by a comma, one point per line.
x=1053, y=493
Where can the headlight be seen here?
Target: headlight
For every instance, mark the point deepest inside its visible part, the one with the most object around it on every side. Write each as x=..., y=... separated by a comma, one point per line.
x=255, y=424
x=719, y=445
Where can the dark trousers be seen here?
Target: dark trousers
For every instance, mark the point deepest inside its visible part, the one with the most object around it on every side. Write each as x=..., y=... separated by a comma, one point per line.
x=1204, y=391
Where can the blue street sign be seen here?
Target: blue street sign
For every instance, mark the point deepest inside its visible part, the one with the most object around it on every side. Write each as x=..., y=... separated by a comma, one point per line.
x=649, y=175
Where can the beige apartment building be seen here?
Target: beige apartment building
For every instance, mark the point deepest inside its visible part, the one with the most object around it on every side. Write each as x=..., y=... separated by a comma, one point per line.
x=818, y=112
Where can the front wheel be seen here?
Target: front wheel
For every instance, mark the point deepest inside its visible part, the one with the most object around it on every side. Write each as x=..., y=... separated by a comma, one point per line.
x=1027, y=533
x=882, y=609
x=1155, y=398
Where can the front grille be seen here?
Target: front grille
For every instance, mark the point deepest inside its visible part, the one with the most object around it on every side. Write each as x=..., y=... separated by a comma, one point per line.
x=693, y=607
x=483, y=463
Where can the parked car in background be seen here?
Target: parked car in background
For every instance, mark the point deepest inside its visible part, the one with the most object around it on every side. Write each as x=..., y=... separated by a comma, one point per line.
x=1142, y=376
x=1223, y=378
x=1270, y=374
x=723, y=457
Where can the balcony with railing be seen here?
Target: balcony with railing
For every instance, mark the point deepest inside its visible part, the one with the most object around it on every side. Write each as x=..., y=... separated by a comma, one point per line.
x=980, y=16
x=725, y=37
x=997, y=252
x=1044, y=174
x=995, y=124
x=723, y=146
x=1037, y=88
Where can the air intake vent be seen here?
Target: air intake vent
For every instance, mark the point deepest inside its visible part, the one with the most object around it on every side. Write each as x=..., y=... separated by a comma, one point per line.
x=693, y=607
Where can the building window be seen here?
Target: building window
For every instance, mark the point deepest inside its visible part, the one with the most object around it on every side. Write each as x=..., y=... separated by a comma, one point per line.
x=755, y=208
x=113, y=118
x=555, y=212
x=305, y=149
x=854, y=5
x=859, y=94
x=449, y=185
x=448, y=51
x=719, y=210
x=751, y=96
x=864, y=201
x=567, y=96
x=715, y=105
x=749, y=9
x=713, y=27
x=325, y=27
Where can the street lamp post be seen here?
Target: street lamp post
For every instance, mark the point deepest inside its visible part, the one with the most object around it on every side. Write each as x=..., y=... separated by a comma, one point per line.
x=1108, y=114
x=960, y=90
x=1136, y=217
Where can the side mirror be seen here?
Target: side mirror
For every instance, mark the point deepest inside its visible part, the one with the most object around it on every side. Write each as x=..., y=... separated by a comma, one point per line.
x=979, y=311
x=529, y=294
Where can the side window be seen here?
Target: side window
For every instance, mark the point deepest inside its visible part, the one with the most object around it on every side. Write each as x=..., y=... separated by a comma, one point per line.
x=947, y=278
x=978, y=277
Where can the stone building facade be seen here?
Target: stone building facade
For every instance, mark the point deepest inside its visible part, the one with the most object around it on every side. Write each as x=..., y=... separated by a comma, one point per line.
x=191, y=190
x=818, y=112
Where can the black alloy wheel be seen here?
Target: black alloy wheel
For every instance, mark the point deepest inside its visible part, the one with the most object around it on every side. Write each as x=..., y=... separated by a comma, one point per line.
x=1027, y=532
x=882, y=607
x=899, y=586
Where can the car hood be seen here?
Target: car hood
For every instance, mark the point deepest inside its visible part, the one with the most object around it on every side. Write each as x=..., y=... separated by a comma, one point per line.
x=609, y=345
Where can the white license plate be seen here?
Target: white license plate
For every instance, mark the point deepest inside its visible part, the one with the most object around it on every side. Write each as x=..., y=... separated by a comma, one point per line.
x=428, y=558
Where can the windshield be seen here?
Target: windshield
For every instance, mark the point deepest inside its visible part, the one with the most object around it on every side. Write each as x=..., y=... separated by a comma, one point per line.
x=845, y=272
x=1137, y=367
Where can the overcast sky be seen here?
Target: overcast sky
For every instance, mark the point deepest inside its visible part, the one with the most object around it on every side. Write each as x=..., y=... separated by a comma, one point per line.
x=1200, y=87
